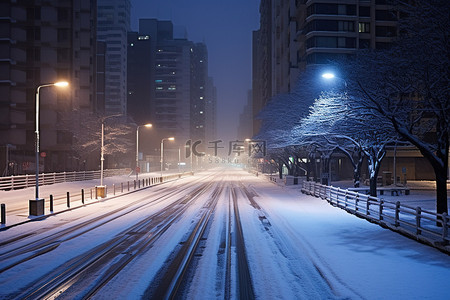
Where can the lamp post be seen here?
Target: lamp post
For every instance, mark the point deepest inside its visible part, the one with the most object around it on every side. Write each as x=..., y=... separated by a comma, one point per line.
x=326, y=177
x=190, y=154
x=179, y=159
x=36, y=206
x=162, y=151
x=249, y=152
x=101, y=188
x=137, y=146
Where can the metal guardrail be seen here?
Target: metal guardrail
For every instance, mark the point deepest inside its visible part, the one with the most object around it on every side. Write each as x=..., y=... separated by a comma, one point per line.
x=80, y=197
x=24, y=181
x=425, y=226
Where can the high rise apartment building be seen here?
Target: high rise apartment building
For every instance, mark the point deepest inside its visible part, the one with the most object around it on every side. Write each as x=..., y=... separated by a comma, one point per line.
x=295, y=34
x=333, y=29
x=169, y=85
x=140, y=79
x=172, y=107
x=113, y=26
x=199, y=77
x=211, y=110
x=42, y=42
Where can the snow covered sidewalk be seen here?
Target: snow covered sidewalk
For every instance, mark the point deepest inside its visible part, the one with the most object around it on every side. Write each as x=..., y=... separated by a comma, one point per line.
x=353, y=254
x=16, y=201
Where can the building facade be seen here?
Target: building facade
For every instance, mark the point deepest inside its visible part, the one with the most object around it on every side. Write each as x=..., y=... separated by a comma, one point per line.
x=169, y=87
x=113, y=25
x=297, y=37
x=211, y=110
x=43, y=42
x=140, y=78
x=295, y=34
x=199, y=77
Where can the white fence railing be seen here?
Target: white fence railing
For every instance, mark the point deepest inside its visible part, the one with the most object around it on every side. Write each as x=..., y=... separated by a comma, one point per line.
x=57, y=203
x=24, y=181
x=425, y=226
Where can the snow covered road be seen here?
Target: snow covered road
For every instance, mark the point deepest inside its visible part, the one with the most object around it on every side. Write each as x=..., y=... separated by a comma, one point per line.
x=293, y=246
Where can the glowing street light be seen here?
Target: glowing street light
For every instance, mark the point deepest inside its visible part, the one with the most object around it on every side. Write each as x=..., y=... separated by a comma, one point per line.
x=137, y=146
x=162, y=151
x=36, y=206
x=328, y=75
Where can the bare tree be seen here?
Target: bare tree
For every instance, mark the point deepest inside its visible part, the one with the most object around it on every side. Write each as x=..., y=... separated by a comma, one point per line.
x=86, y=132
x=409, y=86
x=335, y=125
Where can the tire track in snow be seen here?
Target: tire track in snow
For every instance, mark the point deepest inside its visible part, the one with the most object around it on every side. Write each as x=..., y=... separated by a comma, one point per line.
x=307, y=248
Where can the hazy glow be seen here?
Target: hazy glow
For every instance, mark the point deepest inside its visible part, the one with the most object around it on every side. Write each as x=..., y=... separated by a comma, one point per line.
x=328, y=75
x=61, y=83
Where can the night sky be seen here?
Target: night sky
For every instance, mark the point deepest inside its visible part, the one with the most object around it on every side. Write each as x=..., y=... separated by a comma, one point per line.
x=225, y=26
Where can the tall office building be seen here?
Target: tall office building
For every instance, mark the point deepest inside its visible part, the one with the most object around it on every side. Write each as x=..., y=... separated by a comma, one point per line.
x=140, y=78
x=170, y=86
x=42, y=42
x=199, y=77
x=113, y=25
x=245, y=127
x=211, y=110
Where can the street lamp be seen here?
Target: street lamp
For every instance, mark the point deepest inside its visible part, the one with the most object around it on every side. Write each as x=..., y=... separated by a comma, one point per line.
x=137, y=146
x=249, y=150
x=162, y=151
x=36, y=206
x=329, y=76
x=101, y=188
x=190, y=154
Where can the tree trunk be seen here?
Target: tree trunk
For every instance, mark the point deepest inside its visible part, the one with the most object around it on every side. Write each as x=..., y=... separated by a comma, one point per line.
x=441, y=193
x=374, y=167
x=357, y=170
x=373, y=186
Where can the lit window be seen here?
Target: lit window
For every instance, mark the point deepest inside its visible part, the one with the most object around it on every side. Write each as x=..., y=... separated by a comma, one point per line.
x=201, y=98
x=201, y=112
x=158, y=80
x=132, y=45
x=159, y=88
x=364, y=27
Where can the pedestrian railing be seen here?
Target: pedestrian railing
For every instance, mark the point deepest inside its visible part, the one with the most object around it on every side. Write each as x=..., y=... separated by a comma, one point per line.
x=82, y=197
x=24, y=181
x=426, y=226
